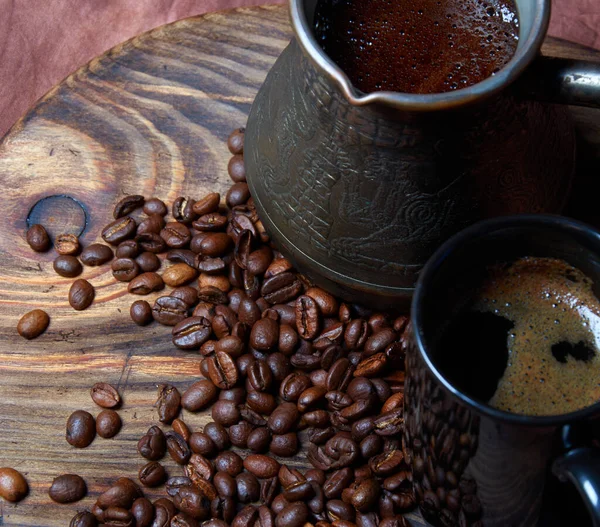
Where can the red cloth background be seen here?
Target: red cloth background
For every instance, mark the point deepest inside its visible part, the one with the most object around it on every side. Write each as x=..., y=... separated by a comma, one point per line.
x=41, y=42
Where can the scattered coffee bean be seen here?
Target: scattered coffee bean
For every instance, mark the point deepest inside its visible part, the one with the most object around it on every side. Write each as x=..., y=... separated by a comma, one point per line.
x=83, y=519
x=108, y=424
x=236, y=169
x=125, y=269
x=127, y=249
x=105, y=395
x=235, y=141
x=127, y=205
x=145, y=283
x=96, y=254
x=81, y=294
x=119, y=230
x=168, y=403
x=67, y=266
x=67, y=244
x=81, y=429
x=153, y=445
x=38, y=238
x=141, y=312
x=155, y=206
x=13, y=486
x=169, y=310
x=152, y=474
x=67, y=488
x=148, y=262
x=32, y=324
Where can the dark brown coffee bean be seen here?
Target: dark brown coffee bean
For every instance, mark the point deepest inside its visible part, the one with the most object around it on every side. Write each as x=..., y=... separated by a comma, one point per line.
x=294, y=515
x=320, y=436
x=192, y=502
x=176, y=235
x=155, y=206
x=218, y=434
x=222, y=371
x=260, y=376
x=182, y=256
x=337, y=482
x=143, y=512
x=127, y=249
x=316, y=418
x=308, y=317
x=362, y=428
x=215, y=244
x=119, y=230
x=237, y=194
x=153, y=224
x=81, y=429
x=283, y=418
x=208, y=204
x=191, y=333
x=284, y=445
x=379, y=341
x=141, y=312
x=261, y=466
x=67, y=244
x=231, y=345
x=239, y=434
x=145, y=283
x=229, y=462
x=38, y=238
x=387, y=463
x=279, y=503
x=201, y=443
x=259, y=439
x=341, y=450
x=311, y=397
x=236, y=168
x=183, y=210
x=121, y=494
x=125, y=269
x=248, y=311
x=211, y=222
x=32, y=324
x=264, y=335
x=173, y=484
x=390, y=423
x=164, y=513
x=225, y=413
x=186, y=293
x=148, y=262
x=96, y=254
x=168, y=403
x=261, y=402
x=178, y=448
x=118, y=517
x=84, y=519
x=225, y=485
x=366, y=494
x=356, y=334
x=184, y=520
x=108, y=424
x=151, y=242
x=293, y=385
x=152, y=474
x=248, y=487
x=199, y=395
x=81, y=294
x=281, y=288
x=235, y=141
x=67, y=488
x=127, y=205
x=338, y=510
x=212, y=295
x=258, y=261
x=153, y=445
x=169, y=311
x=67, y=266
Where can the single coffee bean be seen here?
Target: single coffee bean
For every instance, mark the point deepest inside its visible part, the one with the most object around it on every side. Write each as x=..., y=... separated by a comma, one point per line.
x=32, y=324
x=169, y=311
x=145, y=284
x=67, y=244
x=259, y=260
x=153, y=445
x=208, y=204
x=208, y=265
x=222, y=371
x=299, y=491
x=201, y=443
x=151, y=242
x=218, y=434
x=262, y=402
x=229, y=462
x=311, y=397
x=186, y=293
x=127, y=205
x=237, y=194
x=176, y=235
x=386, y=463
x=96, y=254
x=225, y=485
x=108, y=424
x=181, y=428
x=117, y=517
x=83, y=519
x=212, y=295
x=261, y=466
x=366, y=494
x=182, y=256
x=264, y=335
x=81, y=429
x=225, y=413
x=148, y=262
x=178, y=448
x=379, y=341
x=281, y=288
x=143, y=512
x=164, y=512
x=200, y=468
x=81, y=294
x=308, y=317
x=173, y=484
x=168, y=403
x=236, y=169
x=13, y=486
x=67, y=488
x=127, y=249
x=248, y=487
x=179, y=274
x=152, y=474
x=38, y=238
x=119, y=230
x=121, y=494
x=105, y=395
x=183, y=210
x=260, y=376
x=211, y=222
x=283, y=418
x=184, y=520
x=259, y=440
x=191, y=333
x=153, y=224
x=125, y=269
x=215, y=244
x=67, y=266
x=199, y=395
x=294, y=385
x=220, y=281
x=235, y=141
x=141, y=312
x=328, y=304
x=284, y=445
x=192, y=502
x=155, y=206
x=294, y=515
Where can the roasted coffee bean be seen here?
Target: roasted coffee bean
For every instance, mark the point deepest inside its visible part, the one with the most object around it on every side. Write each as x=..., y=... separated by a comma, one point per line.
x=311, y=397
x=199, y=395
x=337, y=482
x=148, y=263
x=266, y=518
x=85, y=519
x=127, y=249
x=153, y=224
x=67, y=244
x=38, y=238
x=243, y=246
x=390, y=423
x=225, y=413
x=191, y=333
x=225, y=484
x=127, y=205
x=169, y=310
x=237, y=194
x=81, y=294
x=81, y=429
x=141, y=312
x=356, y=334
x=153, y=445
x=145, y=283
x=152, y=474
x=298, y=491
x=219, y=436
x=283, y=418
x=308, y=317
x=259, y=439
x=186, y=293
x=151, y=242
x=248, y=311
x=121, y=494
x=168, y=403
x=183, y=520
x=191, y=501
x=360, y=388
x=239, y=434
x=316, y=418
x=387, y=463
x=261, y=402
x=258, y=261
x=182, y=256
x=176, y=235
x=281, y=288
x=119, y=230
x=118, y=517
x=284, y=445
x=173, y=484
x=229, y=462
x=260, y=376
x=235, y=142
x=211, y=222
x=125, y=269
x=338, y=510
x=365, y=495
x=67, y=488
x=96, y=254
x=293, y=385
x=222, y=371
x=268, y=490
x=371, y=366
x=201, y=443
x=67, y=266
x=178, y=448
x=108, y=424
x=13, y=486
x=261, y=466
x=327, y=303
x=212, y=295
x=215, y=244
x=379, y=341
x=143, y=512
x=183, y=210
x=320, y=436
x=294, y=515
x=248, y=487
x=32, y=324
x=208, y=204
x=155, y=206
x=265, y=334
x=164, y=513
x=236, y=169
x=339, y=375
x=341, y=451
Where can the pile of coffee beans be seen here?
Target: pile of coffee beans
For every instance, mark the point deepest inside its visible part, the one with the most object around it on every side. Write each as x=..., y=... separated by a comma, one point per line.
x=284, y=365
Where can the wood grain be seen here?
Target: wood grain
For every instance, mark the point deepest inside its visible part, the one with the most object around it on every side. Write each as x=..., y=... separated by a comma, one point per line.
x=151, y=116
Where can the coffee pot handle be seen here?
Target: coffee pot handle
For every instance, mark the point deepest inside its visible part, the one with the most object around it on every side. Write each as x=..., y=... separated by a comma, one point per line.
x=581, y=466
x=562, y=81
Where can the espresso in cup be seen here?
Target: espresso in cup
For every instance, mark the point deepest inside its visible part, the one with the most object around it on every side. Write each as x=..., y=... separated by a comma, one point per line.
x=527, y=341
x=417, y=46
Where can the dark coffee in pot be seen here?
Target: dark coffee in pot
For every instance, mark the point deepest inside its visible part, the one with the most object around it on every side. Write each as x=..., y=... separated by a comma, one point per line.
x=417, y=46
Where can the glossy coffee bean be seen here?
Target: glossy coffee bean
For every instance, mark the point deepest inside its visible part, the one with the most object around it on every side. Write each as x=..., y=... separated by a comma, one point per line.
x=190, y=333
x=145, y=283
x=259, y=440
x=105, y=395
x=108, y=424
x=153, y=224
x=81, y=429
x=222, y=371
x=153, y=445
x=67, y=488
x=225, y=413
x=143, y=512
x=125, y=269
x=283, y=418
x=13, y=486
x=169, y=310
x=229, y=462
x=96, y=254
x=152, y=474
x=83, y=519
x=67, y=244
x=119, y=230
x=168, y=403
x=141, y=313
x=218, y=434
x=235, y=141
x=32, y=324
x=201, y=443
x=38, y=238
x=236, y=169
x=183, y=210
x=199, y=395
x=127, y=249
x=284, y=445
x=192, y=502
x=261, y=466
x=148, y=262
x=81, y=294
x=293, y=515
x=67, y=266
x=178, y=448
x=155, y=206
x=127, y=205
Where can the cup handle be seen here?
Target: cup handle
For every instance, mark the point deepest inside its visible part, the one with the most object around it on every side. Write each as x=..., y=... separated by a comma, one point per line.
x=562, y=81
x=581, y=466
